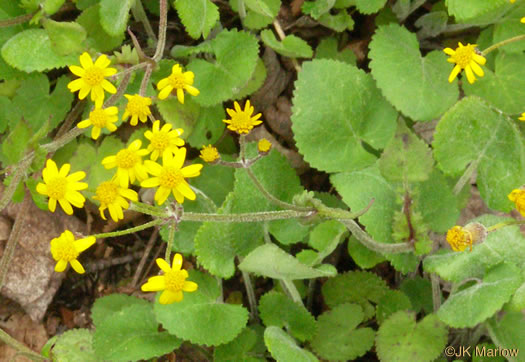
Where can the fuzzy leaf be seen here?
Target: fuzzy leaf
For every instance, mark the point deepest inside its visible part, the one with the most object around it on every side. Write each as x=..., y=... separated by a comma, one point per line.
x=415, y=85
x=52, y=6
x=74, y=345
x=328, y=49
x=240, y=349
x=393, y=301
x=355, y=286
x=66, y=37
x=419, y=291
x=369, y=6
x=284, y=348
x=267, y=8
x=472, y=133
x=362, y=256
x=98, y=38
x=114, y=15
x=317, y=8
x=109, y=305
x=464, y=11
x=291, y=46
x=335, y=108
x=199, y=318
x=197, y=16
x=508, y=333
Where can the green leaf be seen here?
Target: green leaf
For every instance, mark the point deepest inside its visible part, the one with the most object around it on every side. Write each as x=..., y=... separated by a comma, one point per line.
x=278, y=310
x=52, y=6
x=400, y=339
x=509, y=27
x=479, y=301
x=508, y=333
x=284, y=348
x=362, y=256
x=132, y=334
x=464, y=11
x=406, y=158
x=369, y=6
x=326, y=236
x=268, y=8
x=32, y=50
x=240, y=349
x=256, y=81
x=339, y=22
x=482, y=353
x=236, y=55
x=199, y=317
x=472, y=133
x=338, y=338
x=291, y=46
x=270, y=261
x=393, y=301
x=328, y=49
x=419, y=291
x=503, y=88
x=317, y=8
x=197, y=16
x=517, y=303
x=415, y=85
x=66, y=37
x=14, y=147
x=354, y=286
x=39, y=199
x=107, y=306
x=74, y=345
x=349, y=111
x=98, y=38
x=114, y=15
x=507, y=244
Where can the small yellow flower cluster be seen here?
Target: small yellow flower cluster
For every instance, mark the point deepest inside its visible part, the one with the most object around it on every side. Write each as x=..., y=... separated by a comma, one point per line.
x=460, y=237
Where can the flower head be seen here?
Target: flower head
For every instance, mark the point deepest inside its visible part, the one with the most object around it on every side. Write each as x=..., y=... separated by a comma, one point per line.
x=171, y=176
x=465, y=57
x=162, y=139
x=178, y=81
x=518, y=197
x=65, y=249
x=100, y=118
x=113, y=197
x=92, y=77
x=264, y=146
x=128, y=163
x=209, y=154
x=242, y=121
x=58, y=186
x=172, y=283
x=522, y=118
x=460, y=237
x=137, y=108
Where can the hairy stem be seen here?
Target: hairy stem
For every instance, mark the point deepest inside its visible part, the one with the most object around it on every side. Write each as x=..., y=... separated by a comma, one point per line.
x=140, y=15
x=130, y=230
x=502, y=43
x=245, y=217
x=163, y=24
x=169, y=245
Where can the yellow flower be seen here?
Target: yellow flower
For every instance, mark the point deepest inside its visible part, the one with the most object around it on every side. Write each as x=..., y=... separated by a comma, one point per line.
x=100, y=118
x=172, y=283
x=137, y=108
x=92, y=77
x=170, y=177
x=162, y=139
x=242, y=121
x=518, y=197
x=129, y=164
x=112, y=196
x=465, y=57
x=65, y=249
x=522, y=118
x=61, y=187
x=460, y=237
x=512, y=1
x=209, y=154
x=179, y=81
x=264, y=146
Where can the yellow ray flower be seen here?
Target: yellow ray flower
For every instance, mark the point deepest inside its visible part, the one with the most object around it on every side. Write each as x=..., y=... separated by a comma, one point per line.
x=171, y=176
x=113, y=197
x=178, y=81
x=137, y=108
x=128, y=163
x=58, y=186
x=162, y=139
x=92, y=77
x=241, y=120
x=465, y=57
x=100, y=118
x=460, y=237
x=517, y=196
x=172, y=283
x=264, y=146
x=209, y=154
x=65, y=249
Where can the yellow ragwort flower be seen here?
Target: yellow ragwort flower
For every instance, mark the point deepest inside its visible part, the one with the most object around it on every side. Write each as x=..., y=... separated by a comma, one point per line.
x=460, y=237
x=465, y=57
x=512, y=1
x=209, y=154
x=129, y=164
x=92, y=77
x=137, y=108
x=100, y=118
x=522, y=118
x=65, y=249
x=172, y=283
x=162, y=139
x=178, y=81
x=517, y=196
x=171, y=176
x=241, y=120
x=58, y=186
x=264, y=146
x=113, y=197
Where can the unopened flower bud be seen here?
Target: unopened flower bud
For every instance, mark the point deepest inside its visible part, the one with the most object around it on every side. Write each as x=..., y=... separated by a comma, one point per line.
x=460, y=237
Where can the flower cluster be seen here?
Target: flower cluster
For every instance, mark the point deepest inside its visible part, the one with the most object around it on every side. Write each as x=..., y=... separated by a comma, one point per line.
x=466, y=58
x=460, y=237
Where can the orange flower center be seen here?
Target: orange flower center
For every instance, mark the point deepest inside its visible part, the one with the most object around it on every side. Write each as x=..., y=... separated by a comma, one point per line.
x=94, y=76
x=463, y=55
x=177, y=81
x=174, y=280
x=64, y=250
x=98, y=118
x=160, y=140
x=57, y=187
x=107, y=192
x=170, y=177
x=126, y=159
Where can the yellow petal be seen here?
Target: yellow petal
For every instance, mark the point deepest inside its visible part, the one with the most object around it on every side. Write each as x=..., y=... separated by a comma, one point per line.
x=85, y=243
x=66, y=206
x=189, y=286
x=41, y=188
x=161, y=195
x=60, y=266
x=180, y=95
x=168, y=297
x=192, y=170
x=85, y=60
x=77, y=266
x=454, y=73
x=154, y=284
x=163, y=265
x=177, y=261
x=52, y=204
x=102, y=61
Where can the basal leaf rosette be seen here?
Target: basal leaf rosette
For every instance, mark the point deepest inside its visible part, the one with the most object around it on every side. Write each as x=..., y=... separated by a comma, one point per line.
x=414, y=84
x=337, y=107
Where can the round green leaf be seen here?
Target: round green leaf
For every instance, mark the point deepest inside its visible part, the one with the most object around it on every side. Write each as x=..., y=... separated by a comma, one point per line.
x=291, y=46
x=393, y=301
x=198, y=17
x=284, y=348
x=114, y=15
x=74, y=345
